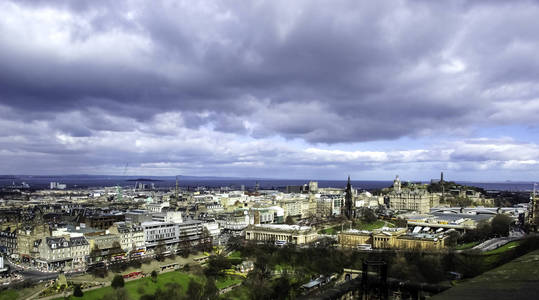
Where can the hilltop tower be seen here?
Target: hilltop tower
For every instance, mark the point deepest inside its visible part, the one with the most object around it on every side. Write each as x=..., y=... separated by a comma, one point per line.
x=442, y=184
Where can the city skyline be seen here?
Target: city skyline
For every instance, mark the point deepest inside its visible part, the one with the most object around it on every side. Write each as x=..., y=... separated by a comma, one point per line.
x=291, y=90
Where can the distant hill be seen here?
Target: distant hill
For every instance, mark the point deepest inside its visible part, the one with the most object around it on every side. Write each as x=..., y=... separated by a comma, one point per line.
x=144, y=179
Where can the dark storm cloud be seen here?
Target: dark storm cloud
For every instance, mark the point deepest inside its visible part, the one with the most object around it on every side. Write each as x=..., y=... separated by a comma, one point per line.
x=167, y=83
x=353, y=59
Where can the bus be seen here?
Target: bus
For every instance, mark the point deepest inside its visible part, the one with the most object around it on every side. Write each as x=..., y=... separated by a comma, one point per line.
x=280, y=243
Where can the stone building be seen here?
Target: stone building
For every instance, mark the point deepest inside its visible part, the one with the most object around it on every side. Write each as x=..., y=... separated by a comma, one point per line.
x=293, y=234
x=104, y=246
x=27, y=236
x=329, y=205
x=391, y=238
x=354, y=238
x=411, y=199
x=155, y=233
x=172, y=236
x=8, y=241
x=103, y=221
x=190, y=232
x=60, y=253
x=292, y=207
x=130, y=236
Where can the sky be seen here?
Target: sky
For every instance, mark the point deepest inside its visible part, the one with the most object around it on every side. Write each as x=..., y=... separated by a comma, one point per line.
x=275, y=89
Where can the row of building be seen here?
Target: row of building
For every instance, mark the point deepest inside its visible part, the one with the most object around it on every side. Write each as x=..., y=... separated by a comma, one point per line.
x=73, y=247
x=384, y=238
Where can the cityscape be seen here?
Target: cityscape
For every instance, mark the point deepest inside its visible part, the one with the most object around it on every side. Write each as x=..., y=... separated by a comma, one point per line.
x=326, y=150
x=64, y=238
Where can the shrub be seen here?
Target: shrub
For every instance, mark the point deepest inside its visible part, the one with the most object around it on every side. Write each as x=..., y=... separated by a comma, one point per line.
x=154, y=275
x=117, y=282
x=77, y=291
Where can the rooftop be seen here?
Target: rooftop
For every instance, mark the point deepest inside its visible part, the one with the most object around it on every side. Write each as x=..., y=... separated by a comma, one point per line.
x=283, y=227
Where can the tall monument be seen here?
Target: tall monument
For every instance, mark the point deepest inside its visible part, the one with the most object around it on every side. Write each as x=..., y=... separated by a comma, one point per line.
x=348, y=200
x=534, y=209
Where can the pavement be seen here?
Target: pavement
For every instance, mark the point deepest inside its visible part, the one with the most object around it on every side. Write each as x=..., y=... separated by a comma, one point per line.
x=30, y=274
x=496, y=243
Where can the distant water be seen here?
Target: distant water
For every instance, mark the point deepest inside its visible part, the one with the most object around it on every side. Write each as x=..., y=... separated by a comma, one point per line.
x=502, y=186
x=84, y=181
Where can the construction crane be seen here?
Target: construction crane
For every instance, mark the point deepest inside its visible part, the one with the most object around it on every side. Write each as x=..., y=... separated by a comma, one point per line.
x=125, y=169
x=118, y=187
x=176, y=192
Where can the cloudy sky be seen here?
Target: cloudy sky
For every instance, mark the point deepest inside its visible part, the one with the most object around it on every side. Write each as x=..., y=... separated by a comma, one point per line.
x=281, y=89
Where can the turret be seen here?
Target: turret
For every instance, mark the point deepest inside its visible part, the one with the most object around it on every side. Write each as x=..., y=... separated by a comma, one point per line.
x=397, y=184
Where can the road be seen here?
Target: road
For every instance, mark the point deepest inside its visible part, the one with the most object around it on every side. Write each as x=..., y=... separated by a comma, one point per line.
x=32, y=275
x=496, y=243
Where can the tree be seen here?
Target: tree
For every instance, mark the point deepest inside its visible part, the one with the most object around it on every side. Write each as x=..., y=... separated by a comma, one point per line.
x=194, y=290
x=117, y=282
x=217, y=264
x=184, y=244
x=77, y=291
x=289, y=220
x=500, y=225
x=95, y=253
x=211, y=291
x=369, y=216
x=400, y=222
x=154, y=275
x=282, y=288
x=121, y=294
x=482, y=232
x=98, y=271
x=431, y=268
x=206, y=240
x=257, y=283
x=452, y=239
x=234, y=242
x=159, y=251
x=171, y=291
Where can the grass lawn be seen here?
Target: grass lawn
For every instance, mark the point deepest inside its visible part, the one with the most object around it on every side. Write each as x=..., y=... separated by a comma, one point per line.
x=466, y=246
x=518, y=279
x=330, y=230
x=227, y=281
x=281, y=267
x=145, y=285
x=136, y=288
x=235, y=257
x=503, y=248
x=235, y=254
x=390, y=225
x=359, y=225
x=370, y=226
x=9, y=295
x=12, y=294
